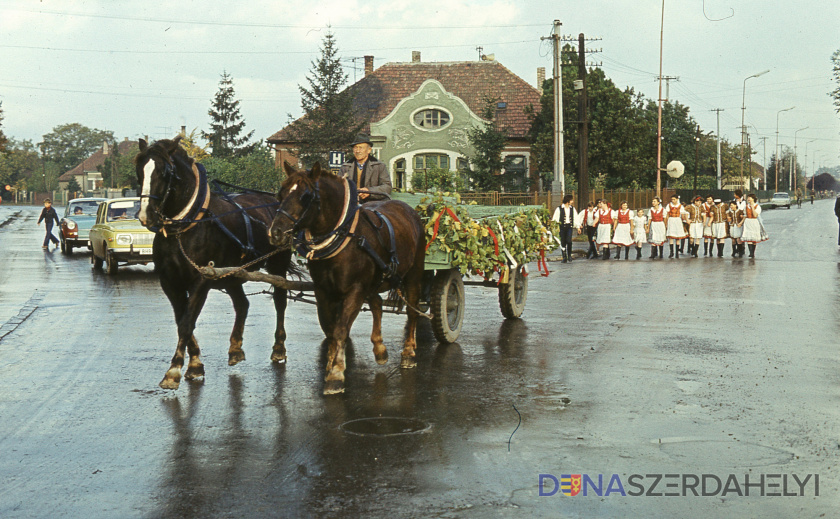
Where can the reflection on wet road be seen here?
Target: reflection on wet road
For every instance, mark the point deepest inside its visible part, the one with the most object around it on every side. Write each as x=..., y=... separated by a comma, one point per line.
x=697, y=366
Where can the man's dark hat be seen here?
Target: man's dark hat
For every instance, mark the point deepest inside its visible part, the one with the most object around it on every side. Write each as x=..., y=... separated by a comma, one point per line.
x=362, y=138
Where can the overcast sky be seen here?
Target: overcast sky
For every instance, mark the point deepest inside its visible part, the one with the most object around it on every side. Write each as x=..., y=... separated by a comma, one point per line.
x=146, y=68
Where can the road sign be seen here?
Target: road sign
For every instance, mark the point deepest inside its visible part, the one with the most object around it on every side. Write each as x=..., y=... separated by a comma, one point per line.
x=336, y=159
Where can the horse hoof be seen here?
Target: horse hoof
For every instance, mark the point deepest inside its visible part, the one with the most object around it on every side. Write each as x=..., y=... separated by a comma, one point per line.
x=333, y=387
x=236, y=358
x=382, y=359
x=194, y=374
x=169, y=384
x=408, y=362
x=277, y=358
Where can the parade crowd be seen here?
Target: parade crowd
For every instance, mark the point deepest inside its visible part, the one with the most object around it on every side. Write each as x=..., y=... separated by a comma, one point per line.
x=710, y=223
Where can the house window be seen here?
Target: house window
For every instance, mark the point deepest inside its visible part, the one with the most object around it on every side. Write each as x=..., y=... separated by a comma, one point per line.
x=431, y=160
x=431, y=119
x=516, y=173
x=399, y=170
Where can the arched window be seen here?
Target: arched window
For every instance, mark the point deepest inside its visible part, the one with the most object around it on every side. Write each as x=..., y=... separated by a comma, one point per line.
x=431, y=119
x=431, y=160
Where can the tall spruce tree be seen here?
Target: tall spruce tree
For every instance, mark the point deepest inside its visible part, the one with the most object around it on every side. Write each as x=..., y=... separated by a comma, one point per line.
x=3, y=139
x=488, y=142
x=226, y=137
x=329, y=122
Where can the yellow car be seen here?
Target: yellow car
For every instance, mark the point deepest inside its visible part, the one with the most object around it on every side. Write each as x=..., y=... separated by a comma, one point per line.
x=117, y=236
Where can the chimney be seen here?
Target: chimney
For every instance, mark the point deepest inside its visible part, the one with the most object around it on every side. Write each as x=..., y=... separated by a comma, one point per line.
x=415, y=56
x=540, y=78
x=105, y=147
x=368, y=65
x=183, y=130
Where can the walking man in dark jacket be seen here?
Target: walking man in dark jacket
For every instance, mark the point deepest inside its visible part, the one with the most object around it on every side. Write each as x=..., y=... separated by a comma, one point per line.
x=48, y=215
x=837, y=213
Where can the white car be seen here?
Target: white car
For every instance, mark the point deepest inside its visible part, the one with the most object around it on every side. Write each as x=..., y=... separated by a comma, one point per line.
x=781, y=199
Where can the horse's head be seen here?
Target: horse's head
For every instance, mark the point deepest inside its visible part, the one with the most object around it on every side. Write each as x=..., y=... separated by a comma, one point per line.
x=299, y=204
x=156, y=170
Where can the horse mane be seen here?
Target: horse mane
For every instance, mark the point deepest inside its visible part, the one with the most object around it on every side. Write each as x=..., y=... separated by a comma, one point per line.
x=303, y=177
x=165, y=149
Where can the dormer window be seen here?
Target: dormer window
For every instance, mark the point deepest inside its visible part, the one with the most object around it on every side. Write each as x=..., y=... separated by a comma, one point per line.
x=431, y=119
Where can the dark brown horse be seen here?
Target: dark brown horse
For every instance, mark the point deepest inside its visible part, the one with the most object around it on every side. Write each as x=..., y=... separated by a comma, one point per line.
x=196, y=227
x=352, y=258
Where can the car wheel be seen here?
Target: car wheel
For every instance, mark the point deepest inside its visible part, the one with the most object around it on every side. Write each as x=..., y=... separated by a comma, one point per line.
x=97, y=262
x=63, y=246
x=111, y=264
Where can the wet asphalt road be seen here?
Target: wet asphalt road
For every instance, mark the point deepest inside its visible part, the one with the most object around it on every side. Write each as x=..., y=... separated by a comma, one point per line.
x=696, y=366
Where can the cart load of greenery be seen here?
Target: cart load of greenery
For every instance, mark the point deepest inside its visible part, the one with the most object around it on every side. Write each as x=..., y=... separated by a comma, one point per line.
x=496, y=242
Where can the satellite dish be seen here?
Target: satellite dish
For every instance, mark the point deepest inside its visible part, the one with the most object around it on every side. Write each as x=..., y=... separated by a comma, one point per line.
x=675, y=169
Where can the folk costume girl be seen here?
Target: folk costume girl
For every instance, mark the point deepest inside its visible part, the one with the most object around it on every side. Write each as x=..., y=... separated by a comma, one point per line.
x=735, y=220
x=604, y=219
x=639, y=231
x=708, y=238
x=656, y=228
x=674, y=230
x=696, y=221
x=719, y=226
x=623, y=231
x=753, y=230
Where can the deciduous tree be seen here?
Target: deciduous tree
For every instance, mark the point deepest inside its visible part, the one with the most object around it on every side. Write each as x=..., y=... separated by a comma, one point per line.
x=69, y=144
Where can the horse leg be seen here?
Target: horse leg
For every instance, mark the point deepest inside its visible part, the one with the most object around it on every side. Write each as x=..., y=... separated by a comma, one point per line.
x=413, y=285
x=326, y=314
x=278, y=351
x=186, y=325
x=379, y=350
x=178, y=298
x=348, y=310
x=240, y=308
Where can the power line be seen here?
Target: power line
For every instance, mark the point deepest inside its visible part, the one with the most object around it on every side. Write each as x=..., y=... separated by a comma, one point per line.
x=421, y=27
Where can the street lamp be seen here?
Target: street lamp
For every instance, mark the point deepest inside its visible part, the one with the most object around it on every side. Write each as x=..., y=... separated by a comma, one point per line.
x=777, y=144
x=795, y=157
x=744, y=109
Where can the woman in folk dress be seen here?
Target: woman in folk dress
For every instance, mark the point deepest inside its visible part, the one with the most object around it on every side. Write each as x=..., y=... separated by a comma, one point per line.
x=753, y=230
x=623, y=230
x=656, y=228
x=674, y=230
x=718, y=226
x=735, y=221
x=604, y=221
x=696, y=221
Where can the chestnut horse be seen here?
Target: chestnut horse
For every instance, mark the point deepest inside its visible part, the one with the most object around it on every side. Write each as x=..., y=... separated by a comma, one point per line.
x=194, y=227
x=353, y=253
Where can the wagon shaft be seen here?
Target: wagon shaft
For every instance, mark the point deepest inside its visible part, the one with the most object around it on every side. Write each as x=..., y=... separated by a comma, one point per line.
x=278, y=281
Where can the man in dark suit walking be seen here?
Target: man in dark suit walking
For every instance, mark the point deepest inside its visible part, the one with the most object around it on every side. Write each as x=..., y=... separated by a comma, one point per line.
x=370, y=175
x=837, y=213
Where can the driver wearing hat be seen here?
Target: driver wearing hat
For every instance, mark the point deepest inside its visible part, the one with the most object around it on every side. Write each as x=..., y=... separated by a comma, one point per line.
x=370, y=175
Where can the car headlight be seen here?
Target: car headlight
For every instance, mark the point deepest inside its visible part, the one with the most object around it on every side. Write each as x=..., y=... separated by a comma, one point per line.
x=123, y=239
x=70, y=224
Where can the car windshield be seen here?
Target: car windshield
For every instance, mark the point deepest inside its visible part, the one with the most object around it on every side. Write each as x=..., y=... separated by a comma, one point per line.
x=125, y=210
x=87, y=208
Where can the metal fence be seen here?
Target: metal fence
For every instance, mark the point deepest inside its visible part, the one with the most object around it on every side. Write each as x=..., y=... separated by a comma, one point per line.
x=502, y=198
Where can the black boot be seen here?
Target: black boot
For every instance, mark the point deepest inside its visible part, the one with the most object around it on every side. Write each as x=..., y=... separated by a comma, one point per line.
x=569, y=252
x=671, y=245
x=661, y=252
x=606, y=254
x=627, y=252
x=734, y=249
x=696, y=248
x=741, y=249
x=565, y=258
x=752, y=250
x=720, y=250
x=705, y=249
x=677, y=253
x=618, y=252
x=638, y=253
x=653, y=250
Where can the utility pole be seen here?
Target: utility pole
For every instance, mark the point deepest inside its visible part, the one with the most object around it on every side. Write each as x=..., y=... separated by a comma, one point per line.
x=559, y=183
x=764, y=160
x=583, y=144
x=719, y=167
x=696, y=159
x=667, y=80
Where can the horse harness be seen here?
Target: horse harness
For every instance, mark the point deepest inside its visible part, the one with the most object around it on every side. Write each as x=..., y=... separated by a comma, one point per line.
x=196, y=211
x=328, y=245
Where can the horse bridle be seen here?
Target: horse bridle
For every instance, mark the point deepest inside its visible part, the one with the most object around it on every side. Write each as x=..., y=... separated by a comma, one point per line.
x=307, y=198
x=169, y=174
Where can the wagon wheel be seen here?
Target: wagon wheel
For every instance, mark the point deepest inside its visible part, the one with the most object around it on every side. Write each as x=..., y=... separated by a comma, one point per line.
x=512, y=295
x=111, y=265
x=447, y=305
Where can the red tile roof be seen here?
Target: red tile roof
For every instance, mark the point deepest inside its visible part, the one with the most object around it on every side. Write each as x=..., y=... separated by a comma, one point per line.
x=379, y=92
x=93, y=162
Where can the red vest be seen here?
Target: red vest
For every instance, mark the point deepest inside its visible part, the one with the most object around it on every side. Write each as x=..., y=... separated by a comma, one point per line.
x=657, y=216
x=605, y=217
x=750, y=213
x=624, y=218
x=674, y=212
